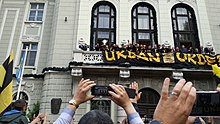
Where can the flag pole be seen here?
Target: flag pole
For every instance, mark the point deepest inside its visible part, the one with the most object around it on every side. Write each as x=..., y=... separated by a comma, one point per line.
x=22, y=72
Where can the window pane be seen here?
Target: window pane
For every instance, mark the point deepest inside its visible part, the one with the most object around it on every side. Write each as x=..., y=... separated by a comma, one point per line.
x=26, y=45
x=32, y=13
x=101, y=8
x=113, y=37
x=39, y=19
x=152, y=35
x=174, y=25
x=176, y=37
x=94, y=42
x=31, y=19
x=95, y=22
x=181, y=11
x=34, y=46
x=32, y=58
x=104, y=8
x=103, y=21
x=184, y=37
x=190, y=15
x=41, y=6
x=107, y=9
x=142, y=9
x=103, y=34
x=134, y=24
x=112, y=23
x=112, y=12
x=152, y=24
x=183, y=23
x=33, y=6
x=40, y=13
x=143, y=22
x=40, y=16
x=134, y=13
x=95, y=12
x=173, y=14
x=151, y=13
x=134, y=38
x=143, y=36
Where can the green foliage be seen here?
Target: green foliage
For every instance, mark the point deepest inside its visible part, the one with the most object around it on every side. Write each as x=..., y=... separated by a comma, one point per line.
x=35, y=110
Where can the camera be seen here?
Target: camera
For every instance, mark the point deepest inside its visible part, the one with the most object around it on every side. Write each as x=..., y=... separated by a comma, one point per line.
x=103, y=91
x=207, y=104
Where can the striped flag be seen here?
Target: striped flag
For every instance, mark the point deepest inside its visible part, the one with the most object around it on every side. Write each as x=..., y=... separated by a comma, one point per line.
x=6, y=70
x=20, y=69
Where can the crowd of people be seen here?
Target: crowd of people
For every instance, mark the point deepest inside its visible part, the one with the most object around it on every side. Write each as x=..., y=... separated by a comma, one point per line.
x=157, y=48
x=173, y=108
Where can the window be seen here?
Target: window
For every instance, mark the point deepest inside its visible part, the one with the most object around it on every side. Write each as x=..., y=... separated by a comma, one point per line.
x=184, y=26
x=36, y=12
x=22, y=95
x=148, y=102
x=31, y=53
x=103, y=25
x=102, y=105
x=144, y=27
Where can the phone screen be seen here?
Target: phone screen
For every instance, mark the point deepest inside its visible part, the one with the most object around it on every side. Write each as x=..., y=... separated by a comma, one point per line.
x=103, y=91
x=207, y=104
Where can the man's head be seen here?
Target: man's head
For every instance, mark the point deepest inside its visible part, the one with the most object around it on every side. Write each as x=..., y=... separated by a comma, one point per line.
x=20, y=105
x=96, y=117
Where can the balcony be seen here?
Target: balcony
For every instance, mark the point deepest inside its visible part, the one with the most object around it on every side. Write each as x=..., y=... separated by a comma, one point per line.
x=171, y=63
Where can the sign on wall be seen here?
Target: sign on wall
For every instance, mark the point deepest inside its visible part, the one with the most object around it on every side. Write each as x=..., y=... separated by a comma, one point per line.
x=160, y=59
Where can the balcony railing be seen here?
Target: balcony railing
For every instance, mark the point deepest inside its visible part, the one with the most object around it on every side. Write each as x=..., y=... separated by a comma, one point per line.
x=89, y=57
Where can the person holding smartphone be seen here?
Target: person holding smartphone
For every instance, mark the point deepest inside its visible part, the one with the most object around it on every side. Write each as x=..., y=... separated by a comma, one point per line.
x=119, y=96
x=171, y=109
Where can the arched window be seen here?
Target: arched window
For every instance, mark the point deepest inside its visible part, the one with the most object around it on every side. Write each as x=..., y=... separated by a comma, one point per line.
x=148, y=102
x=22, y=95
x=103, y=24
x=144, y=24
x=185, y=30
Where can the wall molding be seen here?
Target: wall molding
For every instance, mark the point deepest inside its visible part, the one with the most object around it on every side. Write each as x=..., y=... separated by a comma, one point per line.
x=13, y=29
x=15, y=2
x=1, y=4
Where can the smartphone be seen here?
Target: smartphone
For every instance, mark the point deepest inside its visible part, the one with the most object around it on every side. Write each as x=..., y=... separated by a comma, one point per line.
x=103, y=91
x=207, y=104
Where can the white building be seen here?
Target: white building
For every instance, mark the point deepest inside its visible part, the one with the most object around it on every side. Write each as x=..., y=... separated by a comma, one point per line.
x=53, y=30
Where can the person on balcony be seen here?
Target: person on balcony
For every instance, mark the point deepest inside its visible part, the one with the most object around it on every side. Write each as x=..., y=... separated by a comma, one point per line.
x=183, y=49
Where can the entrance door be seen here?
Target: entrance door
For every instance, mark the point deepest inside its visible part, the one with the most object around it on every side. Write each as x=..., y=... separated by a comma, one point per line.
x=148, y=102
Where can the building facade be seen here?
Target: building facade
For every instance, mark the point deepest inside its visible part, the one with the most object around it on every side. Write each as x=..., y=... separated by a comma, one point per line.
x=53, y=30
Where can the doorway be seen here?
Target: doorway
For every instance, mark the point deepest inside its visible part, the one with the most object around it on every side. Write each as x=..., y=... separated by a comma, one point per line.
x=148, y=102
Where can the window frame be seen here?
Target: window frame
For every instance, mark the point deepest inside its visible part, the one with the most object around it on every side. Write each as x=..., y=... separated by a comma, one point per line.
x=28, y=53
x=37, y=10
x=152, y=18
x=192, y=31
x=94, y=30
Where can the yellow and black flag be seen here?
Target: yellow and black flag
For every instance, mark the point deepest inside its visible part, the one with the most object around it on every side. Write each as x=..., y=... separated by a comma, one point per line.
x=216, y=72
x=6, y=70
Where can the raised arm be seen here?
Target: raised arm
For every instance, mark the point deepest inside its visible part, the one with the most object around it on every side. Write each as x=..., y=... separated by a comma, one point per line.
x=175, y=108
x=120, y=97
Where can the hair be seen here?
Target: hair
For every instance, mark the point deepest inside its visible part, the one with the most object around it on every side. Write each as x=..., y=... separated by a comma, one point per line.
x=19, y=104
x=96, y=117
